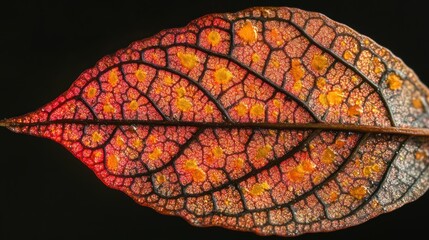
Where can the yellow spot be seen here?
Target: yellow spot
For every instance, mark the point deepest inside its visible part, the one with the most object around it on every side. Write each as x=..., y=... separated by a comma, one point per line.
x=222, y=76
x=217, y=152
x=323, y=100
x=181, y=91
x=319, y=62
x=328, y=155
x=355, y=111
x=297, y=86
x=214, y=38
x=376, y=167
x=155, y=154
x=257, y=111
x=113, y=78
x=255, y=58
x=168, y=81
x=277, y=103
x=420, y=155
x=321, y=83
x=417, y=103
x=97, y=137
x=183, y=104
x=276, y=35
x=241, y=109
x=237, y=163
x=92, y=91
x=161, y=178
x=190, y=164
x=208, y=109
x=112, y=162
x=263, y=152
x=297, y=70
x=259, y=188
x=367, y=171
x=306, y=166
x=335, y=97
x=358, y=192
x=133, y=105
x=137, y=143
x=378, y=66
x=366, y=41
x=343, y=43
x=276, y=63
x=140, y=75
x=188, y=60
x=119, y=141
x=108, y=108
x=248, y=32
x=394, y=81
x=348, y=55
x=355, y=79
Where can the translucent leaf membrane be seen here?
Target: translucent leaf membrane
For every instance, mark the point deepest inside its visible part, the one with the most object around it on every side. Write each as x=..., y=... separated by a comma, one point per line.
x=271, y=120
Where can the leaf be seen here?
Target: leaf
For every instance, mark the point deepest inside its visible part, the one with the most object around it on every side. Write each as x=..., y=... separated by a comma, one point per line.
x=271, y=120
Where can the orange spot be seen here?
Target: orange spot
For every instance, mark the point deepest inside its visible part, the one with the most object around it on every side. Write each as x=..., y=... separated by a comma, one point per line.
x=335, y=97
x=190, y=164
x=188, y=60
x=255, y=58
x=417, y=103
x=214, y=38
x=358, y=192
x=348, y=55
x=297, y=86
x=168, y=81
x=394, y=81
x=113, y=78
x=222, y=76
x=259, y=188
x=367, y=170
x=339, y=143
x=277, y=103
x=155, y=154
x=248, y=32
x=295, y=176
x=333, y=196
x=319, y=62
x=420, y=155
x=378, y=66
x=241, y=109
x=276, y=63
x=238, y=163
x=161, y=178
x=152, y=139
x=198, y=175
x=297, y=70
x=276, y=35
x=181, y=92
x=140, y=75
x=112, y=162
x=133, y=105
x=92, y=92
x=263, y=152
x=183, y=104
x=321, y=83
x=306, y=166
x=257, y=111
x=355, y=79
x=208, y=109
x=108, y=108
x=355, y=111
x=97, y=137
x=328, y=155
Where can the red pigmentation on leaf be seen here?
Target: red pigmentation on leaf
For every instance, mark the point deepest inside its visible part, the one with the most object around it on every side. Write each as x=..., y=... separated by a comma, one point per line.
x=271, y=120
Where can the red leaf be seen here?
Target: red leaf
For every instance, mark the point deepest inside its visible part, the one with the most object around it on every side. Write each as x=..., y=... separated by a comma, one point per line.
x=272, y=120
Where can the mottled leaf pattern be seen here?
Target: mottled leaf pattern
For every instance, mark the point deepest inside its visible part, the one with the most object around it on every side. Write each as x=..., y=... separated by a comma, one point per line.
x=271, y=120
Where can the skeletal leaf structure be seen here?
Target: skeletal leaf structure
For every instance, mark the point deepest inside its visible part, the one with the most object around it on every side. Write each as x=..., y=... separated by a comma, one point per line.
x=270, y=120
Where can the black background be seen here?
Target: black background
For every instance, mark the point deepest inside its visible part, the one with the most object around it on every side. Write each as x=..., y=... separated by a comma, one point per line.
x=46, y=193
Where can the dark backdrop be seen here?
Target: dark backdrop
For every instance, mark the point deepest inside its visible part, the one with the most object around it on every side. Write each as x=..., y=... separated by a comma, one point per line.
x=46, y=193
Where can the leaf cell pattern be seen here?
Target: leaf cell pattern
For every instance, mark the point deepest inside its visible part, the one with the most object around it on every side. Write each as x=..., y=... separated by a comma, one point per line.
x=202, y=122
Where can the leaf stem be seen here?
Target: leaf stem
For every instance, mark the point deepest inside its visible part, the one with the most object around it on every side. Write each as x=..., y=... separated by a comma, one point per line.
x=4, y=123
